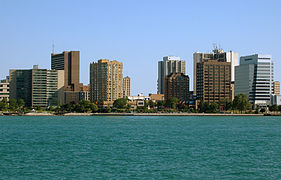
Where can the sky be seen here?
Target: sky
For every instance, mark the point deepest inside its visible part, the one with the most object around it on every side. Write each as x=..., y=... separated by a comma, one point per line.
x=138, y=33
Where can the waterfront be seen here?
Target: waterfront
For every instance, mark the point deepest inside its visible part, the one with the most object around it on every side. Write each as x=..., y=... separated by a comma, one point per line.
x=191, y=147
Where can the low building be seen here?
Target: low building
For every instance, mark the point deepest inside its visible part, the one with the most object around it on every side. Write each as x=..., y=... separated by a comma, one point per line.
x=4, y=89
x=275, y=99
x=37, y=87
x=138, y=101
x=156, y=97
x=84, y=93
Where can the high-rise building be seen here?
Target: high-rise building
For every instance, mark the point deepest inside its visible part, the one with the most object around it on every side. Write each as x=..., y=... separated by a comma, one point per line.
x=254, y=77
x=176, y=85
x=37, y=87
x=106, y=81
x=4, y=89
x=69, y=61
x=170, y=64
x=276, y=87
x=213, y=81
x=126, y=86
x=217, y=54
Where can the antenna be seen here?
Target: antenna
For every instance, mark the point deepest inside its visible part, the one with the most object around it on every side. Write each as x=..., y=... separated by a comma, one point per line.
x=53, y=47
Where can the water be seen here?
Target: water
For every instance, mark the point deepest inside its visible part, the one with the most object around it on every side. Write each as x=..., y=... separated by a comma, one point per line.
x=140, y=147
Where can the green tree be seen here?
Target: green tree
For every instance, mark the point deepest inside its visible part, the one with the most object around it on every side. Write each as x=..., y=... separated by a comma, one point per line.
x=21, y=104
x=13, y=105
x=120, y=103
x=273, y=108
x=4, y=105
x=279, y=108
x=241, y=102
x=213, y=108
x=160, y=104
x=151, y=104
x=172, y=103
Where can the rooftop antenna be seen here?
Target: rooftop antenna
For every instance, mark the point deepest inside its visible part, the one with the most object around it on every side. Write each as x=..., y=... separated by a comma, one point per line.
x=53, y=47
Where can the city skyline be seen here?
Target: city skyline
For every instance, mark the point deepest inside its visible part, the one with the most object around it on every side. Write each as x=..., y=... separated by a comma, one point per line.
x=137, y=39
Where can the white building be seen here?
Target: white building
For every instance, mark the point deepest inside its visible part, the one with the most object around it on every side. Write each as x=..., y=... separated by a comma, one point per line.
x=275, y=100
x=170, y=64
x=4, y=89
x=254, y=77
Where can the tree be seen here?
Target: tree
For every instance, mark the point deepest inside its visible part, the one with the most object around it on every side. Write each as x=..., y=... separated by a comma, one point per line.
x=273, y=108
x=279, y=108
x=213, y=108
x=241, y=102
x=21, y=103
x=120, y=103
x=160, y=104
x=4, y=104
x=151, y=104
x=13, y=105
x=172, y=103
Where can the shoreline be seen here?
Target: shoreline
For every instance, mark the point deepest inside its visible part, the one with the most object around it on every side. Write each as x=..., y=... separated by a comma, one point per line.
x=135, y=114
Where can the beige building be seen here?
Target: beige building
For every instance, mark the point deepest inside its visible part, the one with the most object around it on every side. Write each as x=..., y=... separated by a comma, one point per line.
x=156, y=97
x=106, y=81
x=84, y=93
x=276, y=87
x=126, y=86
x=4, y=89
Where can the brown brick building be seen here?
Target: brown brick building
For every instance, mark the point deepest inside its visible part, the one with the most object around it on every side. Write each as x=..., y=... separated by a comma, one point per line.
x=213, y=81
x=176, y=85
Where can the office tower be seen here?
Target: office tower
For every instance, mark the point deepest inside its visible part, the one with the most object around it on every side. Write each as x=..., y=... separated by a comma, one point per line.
x=170, y=64
x=217, y=54
x=254, y=77
x=276, y=87
x=106, y=81
x=213, y=81
x=84, y=93
x=176, y=85
x=4, y=89
x=70, y=63
x=37, y=87
x=126, y=86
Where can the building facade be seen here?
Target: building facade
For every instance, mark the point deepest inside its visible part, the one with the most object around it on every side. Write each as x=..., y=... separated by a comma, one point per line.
x=84, y=93
x=219, y=55
x=126, y=86
x=170, y=64
x=69, y=61
x=106, y=81
x=254, y=77
x=4, y=89
x=276, y=87
x=213, y=81
x=176, y=85
x=37, y=87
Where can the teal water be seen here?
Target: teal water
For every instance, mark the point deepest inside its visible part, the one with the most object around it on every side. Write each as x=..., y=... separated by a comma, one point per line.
x=140, y=147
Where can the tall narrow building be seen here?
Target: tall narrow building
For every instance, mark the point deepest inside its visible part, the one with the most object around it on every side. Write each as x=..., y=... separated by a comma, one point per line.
x=106, y=81
x=170, y=64
x=213, y=81
x=254, y=77
x=176, y=85
x=219, y=55
x=4, y=89
x=126, y=86
x=69, y=61
x=276, y=87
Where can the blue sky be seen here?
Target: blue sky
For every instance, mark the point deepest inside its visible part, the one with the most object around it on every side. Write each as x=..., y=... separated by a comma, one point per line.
x=136, y=32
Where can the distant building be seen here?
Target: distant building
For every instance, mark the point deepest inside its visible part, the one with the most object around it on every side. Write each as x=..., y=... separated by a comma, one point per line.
x=106, y=81
x=126, y=86
x=276, y=87
x=84, y=93
x=213, y=81
x=4, y=89
x=170, y=64
x=176, y=85
x=69, y=61
x=37, y=87
x=156, y=97
x=219, y=55
x=254, y=77
x=138, y=101
x=275, y=99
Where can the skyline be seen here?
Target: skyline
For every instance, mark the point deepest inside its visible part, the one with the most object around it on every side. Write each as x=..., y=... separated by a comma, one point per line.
x=139, y=34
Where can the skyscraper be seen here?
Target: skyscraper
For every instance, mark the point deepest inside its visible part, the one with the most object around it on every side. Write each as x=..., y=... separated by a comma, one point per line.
x=213, y=81
x=106, y=81
x=217, y=54
x=37, y=87
x=170, y=64
x=70, y=63
x=254, y=77
x=176, y=85
x=276, y=87
x=4, y=89
x=126, y=86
